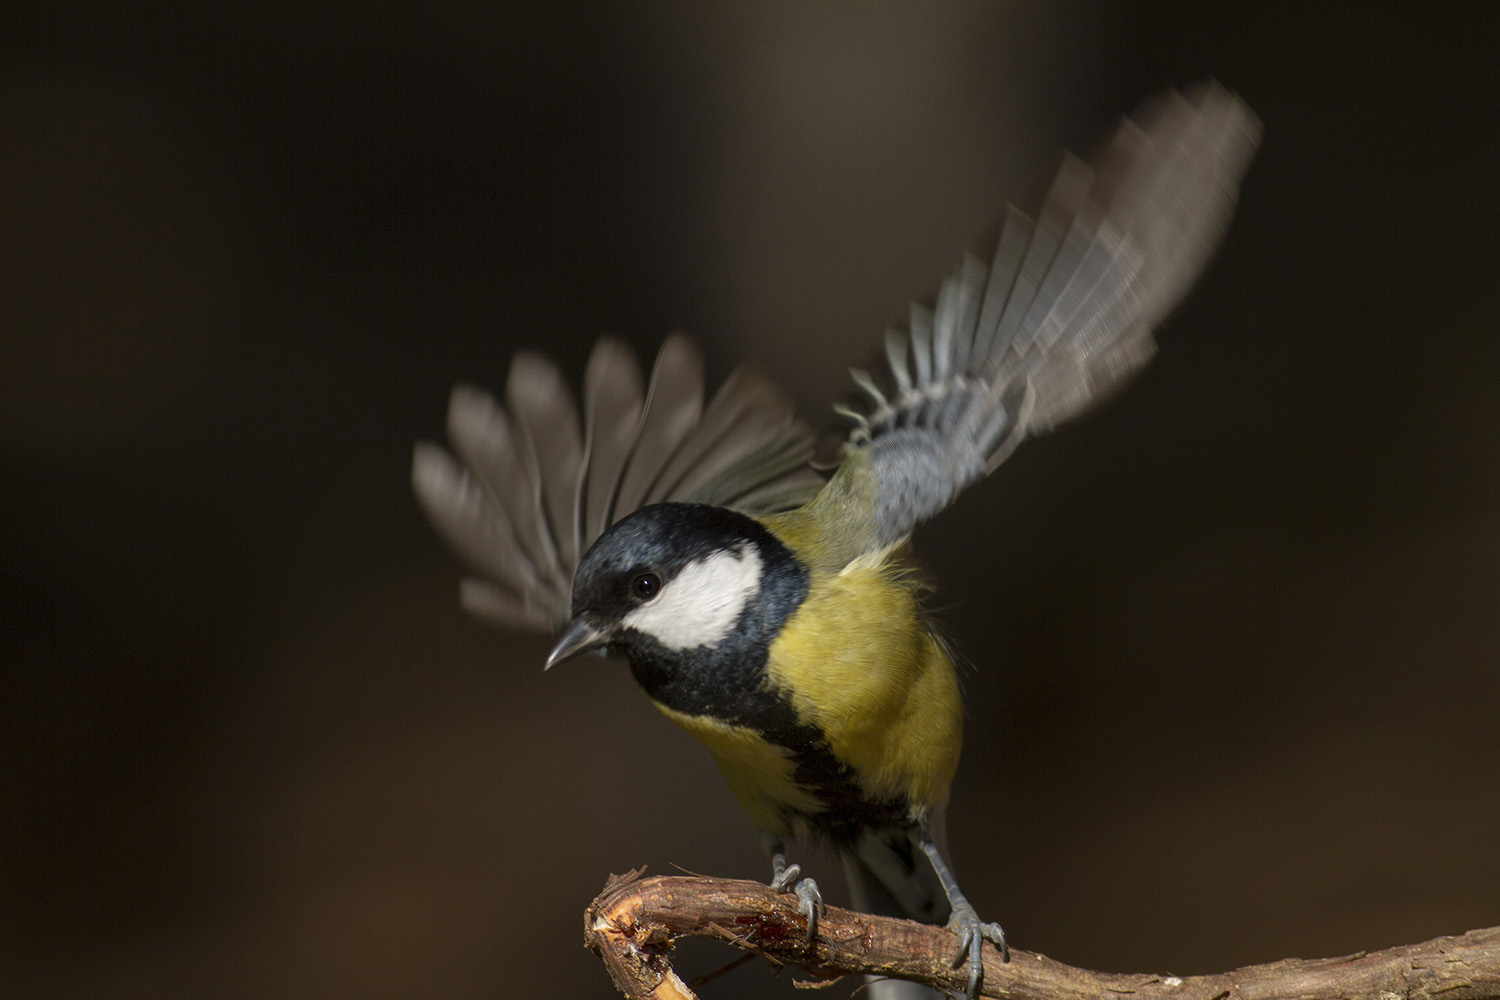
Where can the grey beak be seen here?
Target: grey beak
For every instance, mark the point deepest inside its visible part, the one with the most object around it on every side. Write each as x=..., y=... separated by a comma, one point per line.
x=579, y=638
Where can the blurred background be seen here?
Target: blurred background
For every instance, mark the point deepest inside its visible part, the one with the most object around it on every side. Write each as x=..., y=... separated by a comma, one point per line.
x=1235, y=638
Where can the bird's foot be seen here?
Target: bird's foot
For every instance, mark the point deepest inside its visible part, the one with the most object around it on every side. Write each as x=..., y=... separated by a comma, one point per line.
x=788, y=878
x=972, y=934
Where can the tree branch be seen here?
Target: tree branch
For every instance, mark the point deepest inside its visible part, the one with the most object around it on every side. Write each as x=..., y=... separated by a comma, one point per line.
x=633, y=923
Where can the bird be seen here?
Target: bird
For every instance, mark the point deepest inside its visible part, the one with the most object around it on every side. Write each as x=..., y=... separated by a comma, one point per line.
x=774, y=609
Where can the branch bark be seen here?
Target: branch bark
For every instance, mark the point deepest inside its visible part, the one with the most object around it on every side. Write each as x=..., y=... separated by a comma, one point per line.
x=633, y=923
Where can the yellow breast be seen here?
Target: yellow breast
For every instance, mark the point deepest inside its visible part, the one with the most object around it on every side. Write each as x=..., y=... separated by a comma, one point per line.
x=858, y=661
x=760, y=774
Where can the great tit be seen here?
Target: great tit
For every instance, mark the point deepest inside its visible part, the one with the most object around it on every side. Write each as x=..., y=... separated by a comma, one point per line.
x=776, y=616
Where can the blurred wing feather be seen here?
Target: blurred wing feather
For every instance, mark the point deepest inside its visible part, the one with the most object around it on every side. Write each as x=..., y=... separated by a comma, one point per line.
x=614, y=396
x=525, y=492
x=674, y=405
x=1062, y=315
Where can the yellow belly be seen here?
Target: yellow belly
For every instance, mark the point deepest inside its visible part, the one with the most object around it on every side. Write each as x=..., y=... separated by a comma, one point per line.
x=858, y=661
x=759, y=774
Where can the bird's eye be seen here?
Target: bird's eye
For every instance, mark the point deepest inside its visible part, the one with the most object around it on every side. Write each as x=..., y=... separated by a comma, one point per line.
x=646, y=586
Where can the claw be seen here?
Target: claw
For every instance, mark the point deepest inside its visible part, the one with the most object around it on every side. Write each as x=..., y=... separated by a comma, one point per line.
x=964, y=922
x=787, y=878
x=972, y=934
x=810, y=903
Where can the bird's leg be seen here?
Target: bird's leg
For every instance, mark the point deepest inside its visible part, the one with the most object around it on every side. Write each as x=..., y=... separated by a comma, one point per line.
x=788, y=878
x=964, y=922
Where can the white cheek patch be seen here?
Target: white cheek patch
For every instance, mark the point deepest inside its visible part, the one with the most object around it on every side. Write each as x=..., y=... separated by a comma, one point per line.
x=702, y=603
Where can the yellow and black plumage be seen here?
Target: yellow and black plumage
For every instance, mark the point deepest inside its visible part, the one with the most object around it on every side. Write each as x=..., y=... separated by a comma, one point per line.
x=776, y=616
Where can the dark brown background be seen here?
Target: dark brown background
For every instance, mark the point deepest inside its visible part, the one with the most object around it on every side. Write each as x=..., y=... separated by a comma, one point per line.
x=1235, y=638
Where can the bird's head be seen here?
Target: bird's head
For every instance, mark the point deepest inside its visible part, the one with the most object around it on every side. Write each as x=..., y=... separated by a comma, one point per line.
x=676, y=585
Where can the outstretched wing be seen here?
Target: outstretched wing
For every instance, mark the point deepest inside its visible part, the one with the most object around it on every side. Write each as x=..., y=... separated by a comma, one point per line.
x=1061, y=315
x=529, y=485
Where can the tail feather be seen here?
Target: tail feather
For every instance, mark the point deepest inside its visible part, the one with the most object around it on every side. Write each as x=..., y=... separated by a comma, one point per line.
x=889, y=876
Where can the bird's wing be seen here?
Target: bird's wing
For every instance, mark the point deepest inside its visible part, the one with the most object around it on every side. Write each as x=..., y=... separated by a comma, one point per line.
x=1062, y=314
x=531, y=484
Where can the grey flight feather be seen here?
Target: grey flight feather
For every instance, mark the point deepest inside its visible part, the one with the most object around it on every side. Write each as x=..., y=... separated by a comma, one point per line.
x=1062, y=315
x=1059, y=317
x=529, y=487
